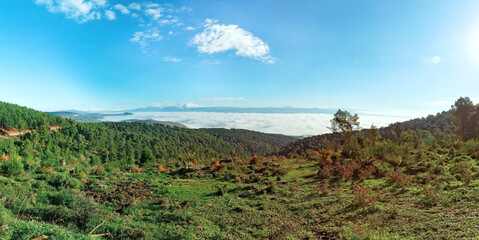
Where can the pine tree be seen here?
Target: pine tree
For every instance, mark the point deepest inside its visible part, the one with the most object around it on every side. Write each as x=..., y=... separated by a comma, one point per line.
x=345, y=123
x=462, y=112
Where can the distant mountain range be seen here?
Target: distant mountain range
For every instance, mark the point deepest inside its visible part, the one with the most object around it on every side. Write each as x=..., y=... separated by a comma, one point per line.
x=86, y=116
x=91, y=116
x=152, y=121
x=186, y=108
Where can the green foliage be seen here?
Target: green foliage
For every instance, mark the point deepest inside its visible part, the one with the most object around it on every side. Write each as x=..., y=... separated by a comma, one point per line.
x=396, y=134
x=463, y=111
x=365, y=187
x=11, y=166
x=251, y=141
x=63, y=180
x=13, y=116
x=123, y=144
x=344, y=123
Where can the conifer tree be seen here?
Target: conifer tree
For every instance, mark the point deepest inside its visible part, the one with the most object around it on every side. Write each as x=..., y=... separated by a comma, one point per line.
x=462, y=112
x=345, y=123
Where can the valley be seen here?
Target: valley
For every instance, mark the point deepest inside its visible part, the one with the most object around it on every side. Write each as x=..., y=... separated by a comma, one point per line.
x=136, y=180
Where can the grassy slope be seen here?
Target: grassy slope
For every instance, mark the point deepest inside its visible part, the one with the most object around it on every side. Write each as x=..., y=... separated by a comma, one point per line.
x=243, y=202
x=274, y=198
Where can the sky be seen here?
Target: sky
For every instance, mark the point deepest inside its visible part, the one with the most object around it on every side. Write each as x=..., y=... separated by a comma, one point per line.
x=398, y=58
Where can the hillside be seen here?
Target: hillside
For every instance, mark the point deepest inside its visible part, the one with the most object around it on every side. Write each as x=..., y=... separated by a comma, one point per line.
x=251, y=141
x=124, y=143
x=441, y=122
x=86, y=116
x=13, y=116
x=118, y=180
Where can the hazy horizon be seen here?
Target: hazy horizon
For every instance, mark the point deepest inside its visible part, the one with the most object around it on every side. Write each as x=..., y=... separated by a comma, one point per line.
x=292, y=124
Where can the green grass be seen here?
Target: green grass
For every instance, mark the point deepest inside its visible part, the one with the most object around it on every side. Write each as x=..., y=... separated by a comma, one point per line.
x=216, y=205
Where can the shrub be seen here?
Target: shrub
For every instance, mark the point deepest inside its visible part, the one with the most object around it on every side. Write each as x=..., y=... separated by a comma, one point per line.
x=398, y=177
x=326, y=171
x=12, y=165
x=62, y=197
x=430, y=198
x=346, y=171
x=362, y=196
x=84, y=213
x=63, y=180
x=467, y=175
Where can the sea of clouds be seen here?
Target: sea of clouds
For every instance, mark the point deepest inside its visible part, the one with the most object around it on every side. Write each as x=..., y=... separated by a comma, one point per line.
x=299, y=124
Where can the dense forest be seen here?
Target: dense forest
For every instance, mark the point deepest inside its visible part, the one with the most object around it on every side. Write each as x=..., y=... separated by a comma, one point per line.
x=430, y=125
x=16, y=117
x=412, y=180
x=251, y=141
x=122, y=144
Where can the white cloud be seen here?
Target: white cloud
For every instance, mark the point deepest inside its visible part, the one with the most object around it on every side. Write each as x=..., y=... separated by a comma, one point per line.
x=190, y=28
x=122, y=9
x=155, y=13
x=151, y=5
x=185, y=9
x=170, y=32
x=290, y=124
x=135, y=6
x=210, y=62
x=164, y=21
x=171, y=59
x=145, y=38
x=191, y=105
x=78, y=10
x=218, y=99
x=209, y=22
x=221, y=38
x=110, y=15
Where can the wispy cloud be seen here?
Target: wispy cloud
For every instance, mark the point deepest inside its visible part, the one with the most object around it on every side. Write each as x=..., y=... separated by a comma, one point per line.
x=151, y=17
x=79, y=10
x=110, y=15
x=135, y=6
x=210, y=62
x=145, y=38
x=171, y=59
x=218, y=99
x=221, y=38
x=122, y=9
x=155, y=12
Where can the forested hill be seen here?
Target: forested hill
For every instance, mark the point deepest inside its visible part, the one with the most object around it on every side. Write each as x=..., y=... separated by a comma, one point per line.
x=432, y=123
x=251, y=141
x=441, y=121
x=152, y=121
x=13, y=116
x=122, y=143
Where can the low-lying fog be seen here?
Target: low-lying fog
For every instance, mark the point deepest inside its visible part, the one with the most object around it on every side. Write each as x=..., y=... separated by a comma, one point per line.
x=298, y=124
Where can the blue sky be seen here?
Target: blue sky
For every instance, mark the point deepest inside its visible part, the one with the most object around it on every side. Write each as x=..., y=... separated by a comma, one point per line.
x=394, y=57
